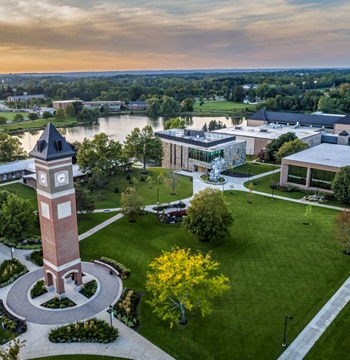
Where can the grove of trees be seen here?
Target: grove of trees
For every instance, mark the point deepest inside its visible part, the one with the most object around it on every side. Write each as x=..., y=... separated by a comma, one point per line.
x=303, y=90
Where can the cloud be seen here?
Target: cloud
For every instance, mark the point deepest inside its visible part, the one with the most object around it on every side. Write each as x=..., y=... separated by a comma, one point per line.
x=182, y=34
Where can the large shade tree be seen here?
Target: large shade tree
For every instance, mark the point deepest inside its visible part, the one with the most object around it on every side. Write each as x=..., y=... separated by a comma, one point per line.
x=10, y=148
x=131, y=203
x=289, y=148
x=209, y=216
x=275, y=144
x=180, y=282
x=99, y=153
x=16, y=217
x=341, y=185
x=144, y=146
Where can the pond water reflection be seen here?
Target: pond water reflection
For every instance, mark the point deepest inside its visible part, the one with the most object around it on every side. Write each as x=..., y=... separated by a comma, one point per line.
x=117, y=128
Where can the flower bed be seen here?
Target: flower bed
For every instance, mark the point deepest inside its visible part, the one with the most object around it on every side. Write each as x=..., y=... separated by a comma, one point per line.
x=38, y=289
x=12, y=325
x=10, y=270
x=126, y=308
x=89, y=289
x=57, y=303
x=92, y=330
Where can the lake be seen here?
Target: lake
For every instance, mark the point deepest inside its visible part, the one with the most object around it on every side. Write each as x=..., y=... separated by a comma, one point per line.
x=116, y=127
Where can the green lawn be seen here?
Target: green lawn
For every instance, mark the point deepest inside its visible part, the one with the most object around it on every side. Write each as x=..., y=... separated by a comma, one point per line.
x=81, y=357
x=333, y=343
x=211, y=106
x=276, y=265
x=31, y=124
x=111, y=199
x=22, y=191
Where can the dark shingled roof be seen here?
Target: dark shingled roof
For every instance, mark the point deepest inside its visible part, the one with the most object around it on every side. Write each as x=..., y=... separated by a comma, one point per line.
x=302, y=119
x=344, y=120
x=51, y=146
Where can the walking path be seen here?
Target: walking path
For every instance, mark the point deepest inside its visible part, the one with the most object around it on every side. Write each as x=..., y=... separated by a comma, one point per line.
x=130, y=344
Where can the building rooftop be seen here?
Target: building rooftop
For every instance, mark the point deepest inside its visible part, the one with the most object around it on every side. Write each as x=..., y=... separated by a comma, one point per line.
x=326, y=154
x=196, y=137
x=270, y=131
x=317, y=119
x=51, y=145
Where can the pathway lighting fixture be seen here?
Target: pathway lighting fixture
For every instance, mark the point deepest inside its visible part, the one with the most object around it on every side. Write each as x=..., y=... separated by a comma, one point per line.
x=111, y=313
x=284, y=344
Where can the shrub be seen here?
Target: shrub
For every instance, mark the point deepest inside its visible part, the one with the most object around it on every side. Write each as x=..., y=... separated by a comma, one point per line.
x=92, y=330
x=10, y=270
x=126, y=308
x=37, y=257
x=38, y=289
x=123, y=270
x=89, y=289
x=57, y=303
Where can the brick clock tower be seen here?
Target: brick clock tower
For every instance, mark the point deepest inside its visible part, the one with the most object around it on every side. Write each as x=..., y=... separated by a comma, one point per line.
x=57, y=209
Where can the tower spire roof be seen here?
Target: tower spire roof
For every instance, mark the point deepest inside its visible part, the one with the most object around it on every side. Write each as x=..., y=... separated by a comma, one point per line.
x=51, y=145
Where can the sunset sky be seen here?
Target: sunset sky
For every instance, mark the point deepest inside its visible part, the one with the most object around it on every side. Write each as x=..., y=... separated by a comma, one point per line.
x=93, y=35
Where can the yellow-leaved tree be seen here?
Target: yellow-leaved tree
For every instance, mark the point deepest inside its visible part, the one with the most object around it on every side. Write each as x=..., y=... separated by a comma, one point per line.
x=180, y=281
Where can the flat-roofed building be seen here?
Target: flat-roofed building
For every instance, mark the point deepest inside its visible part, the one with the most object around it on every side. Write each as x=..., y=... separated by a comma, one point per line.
x=194, y=150
x=258, y=137
x=314, y=168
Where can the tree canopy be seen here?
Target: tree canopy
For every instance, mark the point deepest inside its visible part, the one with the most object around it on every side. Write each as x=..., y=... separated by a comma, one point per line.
x=209, y=217
x=289, y=148
x=275, y=144
x=100, y=153
x=341, y=185
x=10, y=148
x=180, y=281
x=131, y=203
x=16, y=217
x=175, y=123
x=144, y=146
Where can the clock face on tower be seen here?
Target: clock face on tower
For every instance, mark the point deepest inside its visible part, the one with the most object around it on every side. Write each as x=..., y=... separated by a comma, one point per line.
x=42, y=178
x=61, y=178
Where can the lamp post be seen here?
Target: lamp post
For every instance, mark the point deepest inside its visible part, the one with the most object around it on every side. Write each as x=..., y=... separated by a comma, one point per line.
x=284, y=344
x=111, y=314
x=12, y=251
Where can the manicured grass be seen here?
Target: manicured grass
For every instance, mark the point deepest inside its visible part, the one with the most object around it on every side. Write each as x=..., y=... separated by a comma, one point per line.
x=81, y=357
x=35, y=124
x=111, y=199
x=88, y=221
x=221, y=106
x=333, y=343
x=276, y=265
x=254, y=168
x=22, y=191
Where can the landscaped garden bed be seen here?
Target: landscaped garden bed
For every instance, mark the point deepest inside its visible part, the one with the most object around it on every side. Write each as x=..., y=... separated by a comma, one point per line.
x=57, y=303
x=10, y=270
x=93, y=331
x=12, y=326
x=89, y=289
x=126, y=308
x=38, y=289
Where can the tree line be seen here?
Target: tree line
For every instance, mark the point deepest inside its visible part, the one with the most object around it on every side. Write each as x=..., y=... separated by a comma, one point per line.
x=288, y=90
